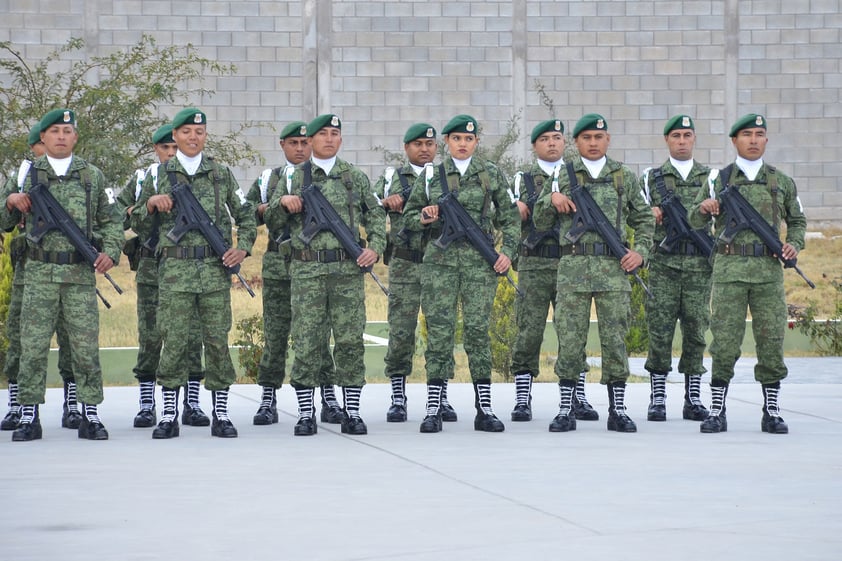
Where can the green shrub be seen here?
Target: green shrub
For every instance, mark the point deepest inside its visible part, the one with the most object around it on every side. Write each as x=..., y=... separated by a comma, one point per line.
x=826, y=335
x=251, y=342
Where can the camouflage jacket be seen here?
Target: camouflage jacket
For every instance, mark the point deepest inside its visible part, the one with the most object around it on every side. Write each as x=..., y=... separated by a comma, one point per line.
x=276, y=258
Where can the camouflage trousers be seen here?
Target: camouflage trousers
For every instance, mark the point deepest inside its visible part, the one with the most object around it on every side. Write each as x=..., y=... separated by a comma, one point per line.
x=443, y=288
x=177, y=313
x=572, y=321
x=12, y=365
x=404, y=303
x=277, y=317
x=729, y=303
x=680, y=296
x=539, y=292
x=325, y=304
x=44, y=306
x=149, y=341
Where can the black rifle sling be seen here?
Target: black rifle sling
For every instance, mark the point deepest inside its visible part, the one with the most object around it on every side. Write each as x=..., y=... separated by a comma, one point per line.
x=529, y=183
x=406, y=188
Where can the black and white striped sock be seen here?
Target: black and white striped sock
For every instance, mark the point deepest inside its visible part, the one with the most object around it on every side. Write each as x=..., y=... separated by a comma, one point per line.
x=444, y=393
x=398, y=390
x=306, y=409
x=193, y=389
x=580, y=388
x=28, y=413
x=147, y=395
x=433, y=398
x=483, y=396
x=268, y=399
x=220, y=404
x=329, y=395
x=351, y=396
x=91, y=413
x=170, y=400
x=523, y=388
x=70, y=400
x=14, y=405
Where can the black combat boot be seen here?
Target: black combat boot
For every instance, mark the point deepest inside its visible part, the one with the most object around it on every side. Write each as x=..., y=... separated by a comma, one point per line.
x=582, y=410
x=432, y=419
x=565, y=421
x=353, y=423
x=168, y=426
x=71, y=418
x=306, y=425
x=29, y=427
x=523, y=397
x=772, y=421
x=193, y=415
x=267, y=413
x=91, y=427
x=222, y=425
x=693, y=408
x=12, y=418
x=716, y=420
x=617, y=418
x=486, y=420
x=146, y=417
x=331, y=409
x=397, y=411
x=657, y=397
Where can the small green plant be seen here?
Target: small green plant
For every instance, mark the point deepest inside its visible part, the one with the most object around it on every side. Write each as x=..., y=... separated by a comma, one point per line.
x=826, y=335
x=503, y=328
x=251, y=342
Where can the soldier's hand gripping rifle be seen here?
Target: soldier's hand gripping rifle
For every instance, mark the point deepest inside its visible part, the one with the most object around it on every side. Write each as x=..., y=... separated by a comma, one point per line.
x=48, y=214
x=589, y=217
x=740, y=215
x=192, y=216
x=535, y=236
x=676, y=224
x=458, y=224
x=319, y=215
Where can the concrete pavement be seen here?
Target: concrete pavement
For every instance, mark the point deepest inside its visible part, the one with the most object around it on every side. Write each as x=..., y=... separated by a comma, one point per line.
x=664, y=493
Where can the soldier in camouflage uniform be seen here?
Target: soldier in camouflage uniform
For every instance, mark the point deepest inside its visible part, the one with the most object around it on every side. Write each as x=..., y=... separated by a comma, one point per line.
x=60, y=285
x=588, y=272
x=679, y=276
x=141, y=253
x=191, y=278
x=277, y=310
x=537, y=270
x=406, y=253
x=70, y=417
x=746, y=276
x=459, y=273
x=328, y=295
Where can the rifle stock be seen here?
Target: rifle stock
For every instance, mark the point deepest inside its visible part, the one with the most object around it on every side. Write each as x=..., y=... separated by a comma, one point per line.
x=741, y=215
x=48, y=214
x=676, y=224
x=319, y=215
x=192, y=216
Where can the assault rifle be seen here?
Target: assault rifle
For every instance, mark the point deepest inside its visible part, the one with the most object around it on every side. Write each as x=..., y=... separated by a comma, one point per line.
x=47, y=215
x=589, y=217
x=319, y=215
x=740, y=215
x=458, y=224
x=676, y=224
x=192, y=216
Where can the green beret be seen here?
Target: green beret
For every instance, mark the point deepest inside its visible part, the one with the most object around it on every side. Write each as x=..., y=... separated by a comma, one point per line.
x=163, y=135
x=461, y=123
x=590, y=122
x=295, y=128
x=554, y=125
x=57, y=116
x=34, y=135
x=322, y=121
x=746, y=122
x=419, y=130
x=189, y=116
x=679, y=122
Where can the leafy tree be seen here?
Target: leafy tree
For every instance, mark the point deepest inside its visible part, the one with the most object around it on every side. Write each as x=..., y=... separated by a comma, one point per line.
x=117, y=100
x=6, y=277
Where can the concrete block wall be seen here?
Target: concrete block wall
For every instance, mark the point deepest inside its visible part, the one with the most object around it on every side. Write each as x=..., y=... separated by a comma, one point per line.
x=383, y=65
